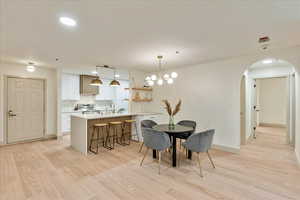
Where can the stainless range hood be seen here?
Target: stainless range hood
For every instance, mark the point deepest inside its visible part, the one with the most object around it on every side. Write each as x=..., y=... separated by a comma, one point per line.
x=85, y=87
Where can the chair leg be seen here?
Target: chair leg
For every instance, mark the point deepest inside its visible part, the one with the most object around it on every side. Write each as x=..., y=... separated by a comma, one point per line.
x=141, y=147
x=200, y=167
x=91, y=139
x=159, y=160
x=144, y=156
x=211, y=161
x=179, y=157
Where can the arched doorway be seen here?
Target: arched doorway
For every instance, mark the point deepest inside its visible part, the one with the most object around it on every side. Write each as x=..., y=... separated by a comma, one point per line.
x=267, y=71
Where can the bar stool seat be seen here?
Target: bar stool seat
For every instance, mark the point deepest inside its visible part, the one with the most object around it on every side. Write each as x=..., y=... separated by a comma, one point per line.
x=97, y=128
x=100, y=125
x=130, y=120
x=115, y=123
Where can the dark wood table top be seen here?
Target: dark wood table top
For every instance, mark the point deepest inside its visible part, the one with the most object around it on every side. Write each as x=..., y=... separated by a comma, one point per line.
x=176, y=129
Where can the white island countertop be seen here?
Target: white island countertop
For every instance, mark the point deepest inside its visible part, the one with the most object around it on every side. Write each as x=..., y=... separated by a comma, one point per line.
x=80, y=126
x=102, y=116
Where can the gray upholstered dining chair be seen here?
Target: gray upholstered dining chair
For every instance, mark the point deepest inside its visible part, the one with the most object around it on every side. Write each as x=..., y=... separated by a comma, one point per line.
x=155, y=140
x=200, y=142
x=146, y=124
x=188, y=123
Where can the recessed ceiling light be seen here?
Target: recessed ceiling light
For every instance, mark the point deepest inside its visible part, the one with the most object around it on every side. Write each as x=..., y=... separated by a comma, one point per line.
x=117, y=75
x=67, y=21
x=267, y=61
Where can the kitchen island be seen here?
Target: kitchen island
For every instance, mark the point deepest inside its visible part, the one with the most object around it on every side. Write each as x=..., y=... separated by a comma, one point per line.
x=81, y=127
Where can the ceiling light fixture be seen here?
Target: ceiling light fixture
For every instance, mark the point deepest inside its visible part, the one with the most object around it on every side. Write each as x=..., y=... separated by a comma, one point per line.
x=115, y=82
x=153, y=77
x=67, y=21
x=97, y=81
x=30, y=67
x=267, y=61
x=169, y=78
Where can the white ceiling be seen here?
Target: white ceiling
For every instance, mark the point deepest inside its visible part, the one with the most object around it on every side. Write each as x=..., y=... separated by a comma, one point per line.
x=277, y=63
x=131, y=33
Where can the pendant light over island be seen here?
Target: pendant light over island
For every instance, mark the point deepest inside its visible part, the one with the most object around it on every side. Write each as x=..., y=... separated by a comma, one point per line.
x=97, y=81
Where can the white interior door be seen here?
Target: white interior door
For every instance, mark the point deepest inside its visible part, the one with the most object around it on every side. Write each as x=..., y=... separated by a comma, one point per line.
x=254, y=108
x=25, y=109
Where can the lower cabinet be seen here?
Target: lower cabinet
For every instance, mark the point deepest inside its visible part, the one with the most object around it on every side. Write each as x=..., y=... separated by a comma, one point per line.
x=66, y=122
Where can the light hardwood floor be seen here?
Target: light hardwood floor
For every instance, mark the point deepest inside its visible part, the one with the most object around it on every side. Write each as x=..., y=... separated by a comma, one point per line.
x=265, y=169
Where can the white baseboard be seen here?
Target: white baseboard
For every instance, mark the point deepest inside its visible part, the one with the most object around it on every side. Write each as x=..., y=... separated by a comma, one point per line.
x=46, y=137
x=66, y=133
x=52, y=136
x=226, y=148
x=272, y=125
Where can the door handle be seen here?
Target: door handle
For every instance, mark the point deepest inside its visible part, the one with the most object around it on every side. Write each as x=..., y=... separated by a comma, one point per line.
x=11, y=114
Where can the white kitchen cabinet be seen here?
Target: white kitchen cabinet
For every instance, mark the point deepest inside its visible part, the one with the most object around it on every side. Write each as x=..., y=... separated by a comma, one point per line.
x=66, y=122
x=106, y=92
x=121, y=93
x=70, y=87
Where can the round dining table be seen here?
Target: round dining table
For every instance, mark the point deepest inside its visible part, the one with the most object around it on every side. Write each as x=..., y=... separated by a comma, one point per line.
x=174, y=132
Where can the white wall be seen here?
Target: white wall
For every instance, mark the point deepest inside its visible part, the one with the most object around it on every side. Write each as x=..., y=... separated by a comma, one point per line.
x=273, y=101
x=137, y=80
x=49, y=75
x=210, y=94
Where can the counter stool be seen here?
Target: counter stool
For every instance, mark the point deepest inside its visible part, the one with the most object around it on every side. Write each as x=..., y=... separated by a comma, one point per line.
x=99, y=130
x=126, y=131
x=113, y=135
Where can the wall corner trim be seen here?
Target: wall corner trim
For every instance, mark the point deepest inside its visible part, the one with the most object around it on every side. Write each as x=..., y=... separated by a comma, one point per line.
x=226, y=148
x=297, y=157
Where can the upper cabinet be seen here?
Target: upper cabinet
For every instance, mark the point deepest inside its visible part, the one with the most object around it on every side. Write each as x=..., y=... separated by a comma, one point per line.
x=121, y=93
x=70, y=87
x=106, y=92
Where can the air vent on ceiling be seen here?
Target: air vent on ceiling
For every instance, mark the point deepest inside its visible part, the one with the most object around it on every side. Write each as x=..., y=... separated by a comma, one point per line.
x=264, y=42
x=264, y=39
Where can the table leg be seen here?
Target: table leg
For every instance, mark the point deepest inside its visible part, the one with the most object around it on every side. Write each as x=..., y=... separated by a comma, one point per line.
x=174, y=151
x=190, y=154
x=154, y=154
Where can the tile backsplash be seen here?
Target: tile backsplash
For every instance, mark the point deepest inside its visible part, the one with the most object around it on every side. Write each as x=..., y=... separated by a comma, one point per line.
x=69, y=105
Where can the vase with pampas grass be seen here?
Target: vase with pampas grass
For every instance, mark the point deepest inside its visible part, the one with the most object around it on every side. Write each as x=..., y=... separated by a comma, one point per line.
x=171, y=112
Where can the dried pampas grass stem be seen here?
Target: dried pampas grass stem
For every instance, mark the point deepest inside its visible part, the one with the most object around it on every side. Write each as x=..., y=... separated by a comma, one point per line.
x=169, y=108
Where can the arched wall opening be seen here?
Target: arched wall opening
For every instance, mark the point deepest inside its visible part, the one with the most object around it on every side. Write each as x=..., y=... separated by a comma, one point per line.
x=266, y=69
